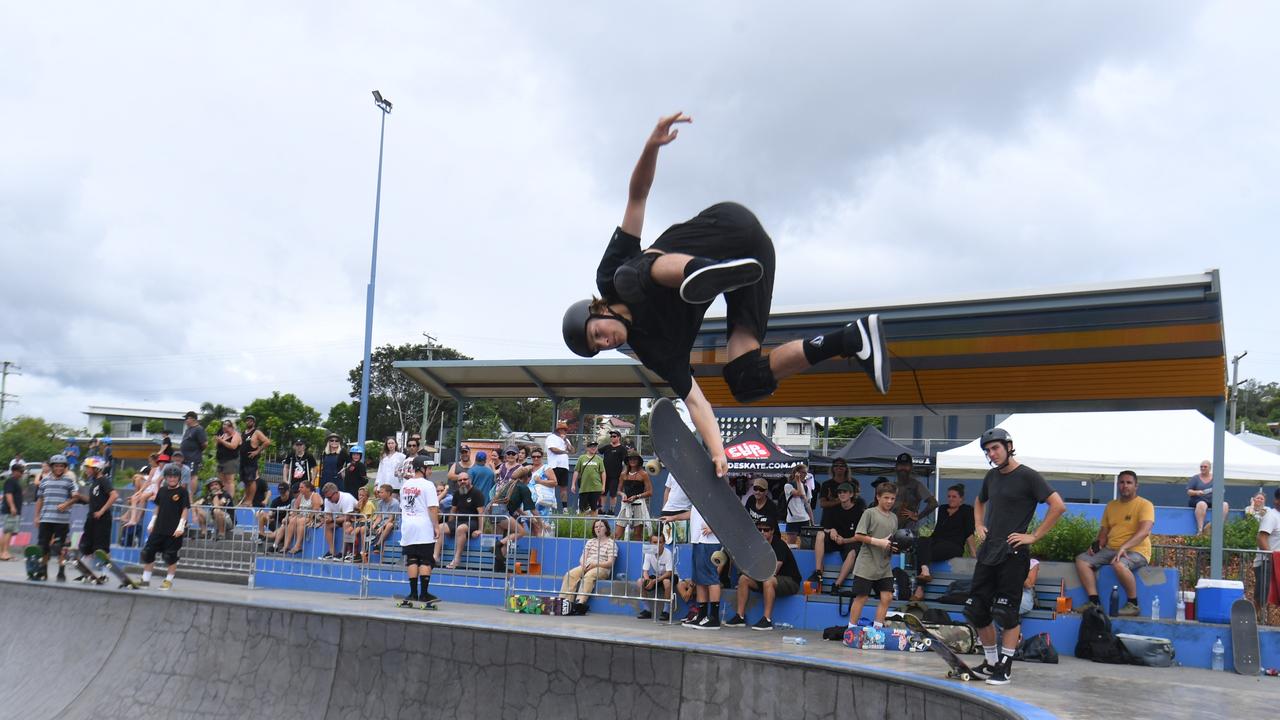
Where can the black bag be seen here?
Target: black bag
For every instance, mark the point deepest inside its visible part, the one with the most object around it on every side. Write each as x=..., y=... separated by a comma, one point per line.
x=835, y=632
x=936, y=616
x=1037, y=648
x=1097, y=642
x=901, y=583
x=957, y=592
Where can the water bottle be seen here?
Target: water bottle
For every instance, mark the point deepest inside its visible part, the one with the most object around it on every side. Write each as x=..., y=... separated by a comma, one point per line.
x=1155, y=608
x=1181, y=615
x=1219, y=653
x=1114, y=609
x=783, y=625
x=794, y=640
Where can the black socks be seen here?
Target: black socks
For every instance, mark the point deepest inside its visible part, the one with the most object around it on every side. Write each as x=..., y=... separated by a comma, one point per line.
x=844, y=342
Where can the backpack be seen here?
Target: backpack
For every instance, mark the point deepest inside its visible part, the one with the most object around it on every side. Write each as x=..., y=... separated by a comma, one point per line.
x=957, y=592
x=1037, y=648
x=1097, y=641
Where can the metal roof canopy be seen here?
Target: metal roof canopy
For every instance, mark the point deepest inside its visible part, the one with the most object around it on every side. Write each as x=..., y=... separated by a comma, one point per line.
x=618, y=377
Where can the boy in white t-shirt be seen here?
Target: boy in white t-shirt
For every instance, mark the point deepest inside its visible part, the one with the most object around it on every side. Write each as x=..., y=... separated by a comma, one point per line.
x=656, y=575
x=419, y=528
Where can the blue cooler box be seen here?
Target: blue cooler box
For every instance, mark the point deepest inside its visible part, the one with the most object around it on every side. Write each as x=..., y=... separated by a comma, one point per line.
x=1214, y=598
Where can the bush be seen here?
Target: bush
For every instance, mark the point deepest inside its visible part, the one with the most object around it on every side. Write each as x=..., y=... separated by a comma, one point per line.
x=1238, y=534
x=1070, y=536
x=579, y=527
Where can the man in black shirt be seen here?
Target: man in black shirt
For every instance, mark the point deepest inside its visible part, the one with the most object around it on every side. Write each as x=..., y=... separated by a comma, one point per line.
x=164, y=533
x=839, y=476
x=838, y=525
x=615, y=457
x=785, y=581
x=194, y=441
x=1010, y=494
x=298, y=466
x=654, y=301
x=99, y=495
x=953, y=531
x=464, y=522
x=758, y=504
x=11, y=506
x=271, y=519
x=355, y=474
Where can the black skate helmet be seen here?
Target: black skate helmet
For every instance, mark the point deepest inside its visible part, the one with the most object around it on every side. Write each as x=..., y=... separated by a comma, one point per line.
x=574, y=326
x=1001, y=436
x=903, y=539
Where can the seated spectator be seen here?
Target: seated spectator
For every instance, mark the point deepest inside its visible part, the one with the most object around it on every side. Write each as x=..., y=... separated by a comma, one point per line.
x=213, y=509
x=271, y=521
x=1200, y=495
x=143, y=491
x=464, y=523
x=515, y=512
x=596, y=563
x=784, y=583
x=1257, y=508
x=1124, y=542
x=953, y=531
x=1029, y=588
x=827, y=492
x=656, y=577
x=339, y=511
x=637, y=488
x=838, y=525
x=798, y=513
x=305, y=515
x=758, y=503
x=356, y=529
x=384, y=521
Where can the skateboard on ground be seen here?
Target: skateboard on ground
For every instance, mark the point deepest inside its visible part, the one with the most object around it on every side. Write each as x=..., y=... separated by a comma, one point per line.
x=116, y=570
x=680, y=452
x=405, y=602
x=959, y=670
x=34, y=559
x=1244, y=638
x=88, y=573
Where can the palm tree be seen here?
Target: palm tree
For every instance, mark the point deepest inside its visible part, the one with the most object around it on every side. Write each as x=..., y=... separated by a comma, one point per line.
x=214, y=411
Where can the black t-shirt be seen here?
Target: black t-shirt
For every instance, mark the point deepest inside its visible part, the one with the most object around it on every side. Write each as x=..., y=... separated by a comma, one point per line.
x=354, y=476
x=194, y=440
x=954, y=528
x=279, y=506
x=783, y=553
x=1011, y=502
x=469, y=503
x=768, y=512
x=99, y=492
x=844, y=521
x=663, y=328
x=614, y=460
x=12, y=486
x=828, y=489
x=297, y=469
x=208, y=498
x=170, y=504
x=224, y=453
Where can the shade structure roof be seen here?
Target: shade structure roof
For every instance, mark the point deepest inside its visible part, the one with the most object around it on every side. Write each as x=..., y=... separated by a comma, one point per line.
x=616, y=377
x=874, y=449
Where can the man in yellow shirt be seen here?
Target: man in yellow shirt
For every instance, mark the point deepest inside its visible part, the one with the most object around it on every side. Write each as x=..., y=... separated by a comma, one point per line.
x=1124, y=542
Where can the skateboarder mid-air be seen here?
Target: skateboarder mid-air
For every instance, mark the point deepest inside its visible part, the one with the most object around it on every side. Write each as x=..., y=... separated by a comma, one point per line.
x=654, y=301
x=164, y=534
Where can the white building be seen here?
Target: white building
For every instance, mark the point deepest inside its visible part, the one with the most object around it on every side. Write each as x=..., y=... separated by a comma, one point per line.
x=131, y=422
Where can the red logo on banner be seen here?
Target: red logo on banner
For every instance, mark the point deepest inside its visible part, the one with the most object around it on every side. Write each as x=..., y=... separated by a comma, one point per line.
x=749, y=450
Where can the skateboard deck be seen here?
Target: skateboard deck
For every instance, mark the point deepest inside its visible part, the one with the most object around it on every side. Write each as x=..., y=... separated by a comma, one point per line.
x=87, y=571
x=720, y=507
x=959, y=670
x=33, y=558
x=1244, y=638
x=115, y=570
x=412, y=604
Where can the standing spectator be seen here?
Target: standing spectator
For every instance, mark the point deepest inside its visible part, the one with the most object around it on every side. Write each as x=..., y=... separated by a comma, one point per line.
x=298, y=466
x=194, y=441
x=1200, y=494
x=166, y=443
x=784, y=583
x=11, y=507
x=542, y=481
x=212, y=509
x=827, y=497
x=167, y=526
x=388, y=464
x=912, y=494
x=354, y=473
x=306, y=515
x=1123, y=542
x=615, y=457
x=338, y=510
x=227, y=455
x=72, y=453
x=482, y=475
x=798, y=513
x=419, y=529
x=656, y=575
x=464, y=523
x=53, y=512
x=839, y=526
x=953, y=531
x=385, y=520
x=252, y=442
x=758, y=504
x=637, y=488
x=108, y=459
x=1268, y=541
x=674, y=500
x=558, y=448
x=595, y=563
x=463, y=465
x=271, y=520
x=706, y=575
x=17, y=460
x=588, y=479
x=871, y=570
x=100, y=496
x=332, y=460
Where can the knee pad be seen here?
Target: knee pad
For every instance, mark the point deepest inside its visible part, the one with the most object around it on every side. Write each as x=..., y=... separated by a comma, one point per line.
x=977, y=613
x=1005, y=613
x=170, y=558
x=749, y=377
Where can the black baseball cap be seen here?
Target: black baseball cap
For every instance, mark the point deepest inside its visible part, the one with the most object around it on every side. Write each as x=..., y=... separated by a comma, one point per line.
x=593, y=442
x=191, y=414
x=844, y=487
x=613, y=433
x=904, y=459
x=299, y=441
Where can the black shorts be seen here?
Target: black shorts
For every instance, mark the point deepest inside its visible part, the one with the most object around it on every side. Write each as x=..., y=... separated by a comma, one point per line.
x=728, y=231
x=96, y=535
x=1002, y=581
x=420, y=554
x=611, y=485
x=588, y=501
x=248, y=473
x=863, y=586
x=51, y=533
x=471, y=521
x=562, y=477
x=164, y=544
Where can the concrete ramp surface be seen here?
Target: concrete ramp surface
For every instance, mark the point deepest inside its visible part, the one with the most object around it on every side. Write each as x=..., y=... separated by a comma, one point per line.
x=74, y=652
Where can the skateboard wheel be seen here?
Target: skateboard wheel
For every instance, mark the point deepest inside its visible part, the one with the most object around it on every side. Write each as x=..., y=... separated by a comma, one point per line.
x=653, y=467
x=965, y=677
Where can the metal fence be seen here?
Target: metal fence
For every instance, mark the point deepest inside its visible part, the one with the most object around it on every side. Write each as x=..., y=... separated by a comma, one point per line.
x=1253, y=568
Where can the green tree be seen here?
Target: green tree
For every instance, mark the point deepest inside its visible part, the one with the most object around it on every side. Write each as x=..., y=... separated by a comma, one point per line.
x=154, y=426
x=851, y=427
x=214, y=412
x=395, y=401
x=283, y=417
x=33, y=437
x=344, y=419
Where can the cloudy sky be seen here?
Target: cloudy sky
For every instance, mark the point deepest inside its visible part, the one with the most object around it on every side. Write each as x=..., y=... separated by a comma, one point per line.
x=186, y=193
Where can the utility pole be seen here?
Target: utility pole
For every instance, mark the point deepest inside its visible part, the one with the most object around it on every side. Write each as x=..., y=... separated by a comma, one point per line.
x=1235, y=389
x=426, y=396
x=7, y=368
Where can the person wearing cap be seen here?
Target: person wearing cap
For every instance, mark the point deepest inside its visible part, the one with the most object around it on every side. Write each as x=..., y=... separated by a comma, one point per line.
x=166, y=443
x=482, y=475
x=72, y=453
x=354, y=474
x=211, y=509
x=654, y=301
x=784, y=583
x=588, y=479
x=332, y=459
x=271, y=519
x=168, y=525
x=11, y=507
x=53, y=512
x=100, y=495
x=558, y=448
x=298, y=465
x=915, y=499
x=252, y=442
x=637, y=488
x=504, y=478
x=758, y=503
x=839, y=525
x=615, y=459
x=463, y=464
x=194, y=441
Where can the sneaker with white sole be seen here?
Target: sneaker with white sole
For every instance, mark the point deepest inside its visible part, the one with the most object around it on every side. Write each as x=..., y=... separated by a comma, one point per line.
x=736, y=621
x=707, y=283
x=707, y=623
x=763, y=623
x=166, y=585
x=873, y=353
x=1002, y=673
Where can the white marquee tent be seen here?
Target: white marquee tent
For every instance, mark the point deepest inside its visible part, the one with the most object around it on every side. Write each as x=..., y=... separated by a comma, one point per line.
x=1153, y=443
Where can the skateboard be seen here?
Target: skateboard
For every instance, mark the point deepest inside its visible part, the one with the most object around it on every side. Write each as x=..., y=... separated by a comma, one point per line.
x=407, y=603
x=116, y=570
x=87, y=573
x=34, y=558
x=680, y=452
x=1244, y=638
x=959, y=670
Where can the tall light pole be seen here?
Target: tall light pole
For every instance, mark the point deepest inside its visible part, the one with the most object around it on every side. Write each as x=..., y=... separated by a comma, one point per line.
x=385, y=106
x=1235, y=391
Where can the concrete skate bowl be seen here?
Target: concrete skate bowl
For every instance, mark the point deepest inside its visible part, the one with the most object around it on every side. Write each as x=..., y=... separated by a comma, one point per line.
x=89, y=653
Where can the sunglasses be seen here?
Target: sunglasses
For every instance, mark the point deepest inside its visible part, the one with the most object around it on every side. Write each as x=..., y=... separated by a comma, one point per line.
x=758, y=489
x=537, y=455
